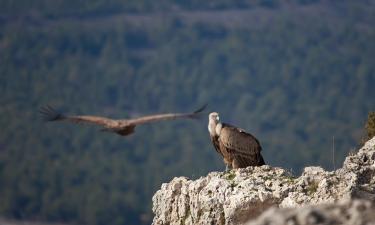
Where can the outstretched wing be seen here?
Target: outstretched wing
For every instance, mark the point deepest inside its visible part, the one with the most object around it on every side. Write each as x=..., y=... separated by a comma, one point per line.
x=50, y=114
x=167, y=116
x=241, y=142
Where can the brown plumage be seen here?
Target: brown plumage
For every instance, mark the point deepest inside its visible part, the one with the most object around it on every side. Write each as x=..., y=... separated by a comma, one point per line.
x=122, y=127
x=238, y=148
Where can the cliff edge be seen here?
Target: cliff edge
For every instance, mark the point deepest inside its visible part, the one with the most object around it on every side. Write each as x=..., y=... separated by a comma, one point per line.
x=241, y=195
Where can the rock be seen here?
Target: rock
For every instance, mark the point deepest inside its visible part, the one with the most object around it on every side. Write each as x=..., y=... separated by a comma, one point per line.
x=345, y=212
x=243, y=194
x=360, y=168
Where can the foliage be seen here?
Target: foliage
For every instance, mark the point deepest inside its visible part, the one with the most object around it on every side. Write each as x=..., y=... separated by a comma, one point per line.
x=294, y=80
x=71, y=8
x=370, y=126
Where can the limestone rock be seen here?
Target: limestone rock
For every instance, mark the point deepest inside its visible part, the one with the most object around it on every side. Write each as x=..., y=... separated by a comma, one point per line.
x=243, y=194
x=345, y=212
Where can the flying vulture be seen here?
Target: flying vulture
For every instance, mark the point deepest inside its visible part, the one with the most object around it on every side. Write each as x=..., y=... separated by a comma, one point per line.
x=122, y=127
x=238, y=148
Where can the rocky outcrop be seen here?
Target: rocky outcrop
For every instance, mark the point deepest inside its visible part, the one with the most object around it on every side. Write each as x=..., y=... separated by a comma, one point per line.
x=345, y=212
x=243, y=194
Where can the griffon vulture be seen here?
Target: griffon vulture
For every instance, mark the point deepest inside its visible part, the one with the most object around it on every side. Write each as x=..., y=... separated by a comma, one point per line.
x=238, y=148
x=122, y=127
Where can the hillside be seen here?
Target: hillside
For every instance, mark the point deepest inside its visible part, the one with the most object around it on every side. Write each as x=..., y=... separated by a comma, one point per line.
x=295, y=74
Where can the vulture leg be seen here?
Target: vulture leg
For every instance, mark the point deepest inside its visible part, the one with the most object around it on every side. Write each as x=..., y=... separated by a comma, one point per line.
x=236, y=164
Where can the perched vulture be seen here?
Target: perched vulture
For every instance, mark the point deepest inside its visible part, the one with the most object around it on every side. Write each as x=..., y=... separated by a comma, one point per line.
x=122, y=127
x=238, y=148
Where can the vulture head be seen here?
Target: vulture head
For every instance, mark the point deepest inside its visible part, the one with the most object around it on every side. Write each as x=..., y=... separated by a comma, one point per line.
x=213, y=124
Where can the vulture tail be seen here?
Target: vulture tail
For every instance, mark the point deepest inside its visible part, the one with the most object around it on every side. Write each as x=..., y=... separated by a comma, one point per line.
x=50, y=114
x=261, y=161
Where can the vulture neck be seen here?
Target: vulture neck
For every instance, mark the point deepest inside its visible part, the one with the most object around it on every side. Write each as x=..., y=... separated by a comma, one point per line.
x=218, y=128
x=214, y=128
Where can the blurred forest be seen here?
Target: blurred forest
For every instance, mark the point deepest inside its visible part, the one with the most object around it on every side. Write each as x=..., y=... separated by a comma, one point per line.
x=296, y=74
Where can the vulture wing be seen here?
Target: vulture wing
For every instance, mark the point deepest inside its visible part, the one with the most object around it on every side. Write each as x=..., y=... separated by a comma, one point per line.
x=239, y=141
x=215, y=142
x=51, y=114
x=167, y=116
